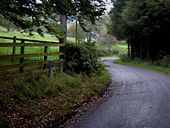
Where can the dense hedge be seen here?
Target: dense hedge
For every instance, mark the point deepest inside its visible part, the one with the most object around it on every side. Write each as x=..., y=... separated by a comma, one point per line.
x=82, y=58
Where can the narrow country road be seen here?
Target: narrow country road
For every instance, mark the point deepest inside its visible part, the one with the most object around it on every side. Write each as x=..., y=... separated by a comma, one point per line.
x=138, y=98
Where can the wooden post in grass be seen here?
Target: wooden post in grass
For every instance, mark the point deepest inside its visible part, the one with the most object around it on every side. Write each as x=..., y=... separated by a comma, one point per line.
x=21, y=69
x=61, y=65
x=45, y=57
x=14, y=49
x=61, y=57
x=50, y=68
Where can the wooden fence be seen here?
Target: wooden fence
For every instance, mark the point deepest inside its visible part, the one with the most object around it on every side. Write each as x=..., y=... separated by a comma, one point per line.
x=30, y=43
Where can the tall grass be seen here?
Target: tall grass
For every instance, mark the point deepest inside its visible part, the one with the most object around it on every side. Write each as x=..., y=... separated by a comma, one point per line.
x=151, y=65
x=36, y=36
x=38, y=99
x=114, y=50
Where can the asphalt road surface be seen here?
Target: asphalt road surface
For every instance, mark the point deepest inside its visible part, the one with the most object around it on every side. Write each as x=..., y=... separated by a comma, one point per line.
x=138, y=98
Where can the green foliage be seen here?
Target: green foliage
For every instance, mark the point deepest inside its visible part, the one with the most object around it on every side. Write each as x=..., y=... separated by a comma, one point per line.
x=5, y=123
x=151, y=65
x=124, y=57
x=144, y=24
x=107, y=52
x=29, y=13
x=71, y=32
x=82, y=57
x=116, y=26
x=115, y=50
x=29, y=99
x=165, y=62
x=25, y=35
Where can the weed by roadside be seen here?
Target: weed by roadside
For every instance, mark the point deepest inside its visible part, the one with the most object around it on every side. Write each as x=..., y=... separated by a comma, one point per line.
x=152, y=65
x=35, y=100
x=115, y=50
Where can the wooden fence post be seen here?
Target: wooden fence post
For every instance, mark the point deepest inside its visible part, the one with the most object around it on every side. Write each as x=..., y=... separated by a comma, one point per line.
x=61, y=65
x=50, y=68
x=45, y=57
x=14, y=49
x=21, y=69
x=21, y=56
x=61, y=48
x=61, y=57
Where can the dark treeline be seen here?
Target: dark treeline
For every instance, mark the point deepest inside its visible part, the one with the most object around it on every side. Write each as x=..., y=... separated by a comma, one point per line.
x=145, y=24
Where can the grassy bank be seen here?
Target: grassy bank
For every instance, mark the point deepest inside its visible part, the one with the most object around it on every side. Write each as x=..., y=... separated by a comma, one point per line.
x=25, y=35
x=27, y=50
x=144, y=64
x=114, y=50
x=35, y=100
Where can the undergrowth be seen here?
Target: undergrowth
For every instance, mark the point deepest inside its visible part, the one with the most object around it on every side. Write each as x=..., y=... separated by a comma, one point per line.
x=159, y=66
x=114, y=50
x=34, y=100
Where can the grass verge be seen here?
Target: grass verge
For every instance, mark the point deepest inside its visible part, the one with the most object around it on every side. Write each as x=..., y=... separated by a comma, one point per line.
x=35, y=100
x=144, y=64
x=114, y=50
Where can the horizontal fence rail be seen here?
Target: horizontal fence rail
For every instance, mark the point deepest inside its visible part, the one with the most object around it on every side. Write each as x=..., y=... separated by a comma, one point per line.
x=24, y=43
x=28, y=44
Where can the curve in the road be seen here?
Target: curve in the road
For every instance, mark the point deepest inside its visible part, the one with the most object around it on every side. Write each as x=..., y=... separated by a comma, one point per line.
x=139, y=98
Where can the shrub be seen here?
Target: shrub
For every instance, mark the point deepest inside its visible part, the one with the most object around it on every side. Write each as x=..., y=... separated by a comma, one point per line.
x=115, y=51
x=82, y=58
x=5, y=123
x=103, y=52
x=124, y=57
x=156, y=62
x=123, y=43
x=107, y=52
x=34, y=100
x=165, y=62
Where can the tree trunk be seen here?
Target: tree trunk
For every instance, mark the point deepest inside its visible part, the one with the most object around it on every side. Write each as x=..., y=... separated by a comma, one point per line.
x=129, y=49
x=140, y=54
x=148, y=52
x=76, y=38
x=132, y=48
x=63, y=23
